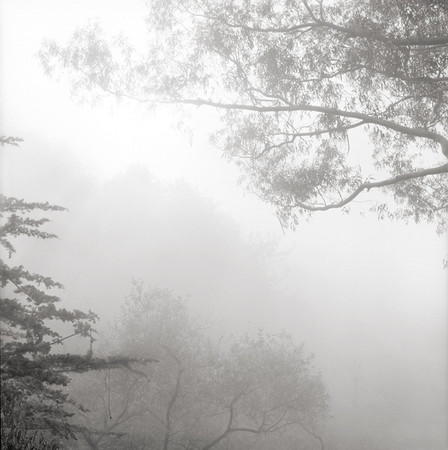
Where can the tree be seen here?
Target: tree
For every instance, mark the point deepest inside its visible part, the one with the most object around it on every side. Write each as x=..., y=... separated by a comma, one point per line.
x=296, y=81
x=30, y=377
x=34, y=405
x=148, y=407
x=201, y=396
x=264, y=385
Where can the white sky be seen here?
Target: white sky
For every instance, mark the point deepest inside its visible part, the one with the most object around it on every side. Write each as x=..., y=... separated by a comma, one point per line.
x=361, y=280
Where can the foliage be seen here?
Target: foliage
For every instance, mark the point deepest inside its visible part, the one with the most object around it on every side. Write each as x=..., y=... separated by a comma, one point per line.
x=10, y=140
x=32, y=400
x=200, y=395
x=32, y=377
x=15, y=433
x=35, y=406
x=296, y=80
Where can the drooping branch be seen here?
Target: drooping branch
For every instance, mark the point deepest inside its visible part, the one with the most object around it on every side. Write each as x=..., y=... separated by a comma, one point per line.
x=371, y=185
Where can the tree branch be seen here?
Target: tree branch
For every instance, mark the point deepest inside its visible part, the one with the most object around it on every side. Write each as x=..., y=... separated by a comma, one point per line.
x=321, y=442
x=377, y=184
x=169, y=410
x=415, y=132
x=321, y=23
x=366, y=118
x=229, y=429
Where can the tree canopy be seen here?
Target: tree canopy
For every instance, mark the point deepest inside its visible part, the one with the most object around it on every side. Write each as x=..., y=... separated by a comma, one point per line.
x=202, y=394
x=296, y=81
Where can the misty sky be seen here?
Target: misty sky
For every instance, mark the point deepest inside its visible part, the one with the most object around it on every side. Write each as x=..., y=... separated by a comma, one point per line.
x=146, y=202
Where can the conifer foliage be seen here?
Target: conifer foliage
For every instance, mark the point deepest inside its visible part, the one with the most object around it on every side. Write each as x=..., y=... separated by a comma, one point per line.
x=32, y=402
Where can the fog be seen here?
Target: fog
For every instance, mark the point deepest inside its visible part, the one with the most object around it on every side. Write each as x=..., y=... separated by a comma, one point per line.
x=146, y=202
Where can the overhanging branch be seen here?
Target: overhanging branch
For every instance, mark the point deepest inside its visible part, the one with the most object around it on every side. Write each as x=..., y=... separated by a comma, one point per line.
x=366, y=118
x=377, y=184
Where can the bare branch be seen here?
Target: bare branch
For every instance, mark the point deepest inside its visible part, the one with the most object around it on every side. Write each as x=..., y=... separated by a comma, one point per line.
x=169, y=410
x=312, y=433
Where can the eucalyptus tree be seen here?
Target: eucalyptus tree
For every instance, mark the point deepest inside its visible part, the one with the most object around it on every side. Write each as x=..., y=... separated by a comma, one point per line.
x=297, y=82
